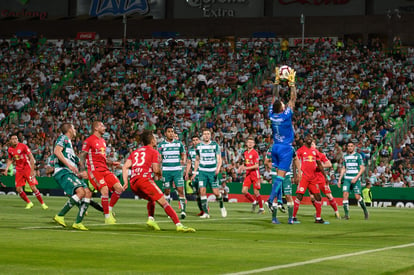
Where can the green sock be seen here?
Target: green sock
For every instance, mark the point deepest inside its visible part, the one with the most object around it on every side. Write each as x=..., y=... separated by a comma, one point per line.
x=220, y=200
x=199, y=203
x=346, y=208
x=362, y=204
x=82, y=210
x=290, y=209
x=274, y=212
x=183, y=204
x=72, y=201
x=204, y=204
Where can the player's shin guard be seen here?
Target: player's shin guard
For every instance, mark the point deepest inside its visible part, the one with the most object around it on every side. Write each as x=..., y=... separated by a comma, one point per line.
x=170, y=212
x=105, y=205
x=82, y=209
x=39, y=196
x=220, y=200
x=249, y=197
x=333, y=204
x=276, y=188
x=24, y=196
x=346, y=207
x=72, y=201
x=296, y=207
x=96, y=205
x=204, y=204
x=318, y=207
x=114, y=198
x=260, y=201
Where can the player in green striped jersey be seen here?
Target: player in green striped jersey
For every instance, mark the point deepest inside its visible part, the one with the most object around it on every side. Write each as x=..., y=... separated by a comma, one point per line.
x=173, y=156
x=67, y=175
x=352, y=169
x=191, y=158
x=208, y=163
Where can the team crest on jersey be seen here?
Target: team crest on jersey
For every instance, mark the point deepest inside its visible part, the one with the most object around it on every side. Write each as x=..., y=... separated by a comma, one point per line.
x=314, y=153
x=103, y=151
x=18, y=151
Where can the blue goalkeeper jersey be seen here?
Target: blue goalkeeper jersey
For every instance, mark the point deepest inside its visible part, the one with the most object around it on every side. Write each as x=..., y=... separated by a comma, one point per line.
x=282, y=127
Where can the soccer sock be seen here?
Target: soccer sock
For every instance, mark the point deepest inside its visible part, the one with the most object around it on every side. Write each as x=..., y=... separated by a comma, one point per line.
x=199, y=203
x=274, y=212
x=333, y=204
x=114, y=198
x=183, y=204
x=259, y=199
x=39, y=196
x=296, y=205
x=170, y=212
x=249, y=197
x=105, y=206
x=204, y=204
x=318, y=206
x=346, y=207
x=151, y=208
x=24, y=196
x=290, y=209
x=220, y=200
x=96, y=205
x=362, y=204
x=279, y=194
x=72, y=201
x=82, y=209
x=276, y=187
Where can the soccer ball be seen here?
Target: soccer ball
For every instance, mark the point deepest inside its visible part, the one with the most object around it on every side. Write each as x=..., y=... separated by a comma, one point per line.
x=284, y=71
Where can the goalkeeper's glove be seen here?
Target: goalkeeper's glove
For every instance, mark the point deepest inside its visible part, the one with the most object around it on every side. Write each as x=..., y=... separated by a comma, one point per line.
x=291, y=78
x=277, y=76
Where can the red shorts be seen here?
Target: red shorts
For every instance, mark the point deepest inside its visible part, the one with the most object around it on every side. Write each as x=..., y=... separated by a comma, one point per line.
x=308, y=183
x=321, y=181
x=101, y=179
x=23, y=176
x=146, y=188
x=252, y=179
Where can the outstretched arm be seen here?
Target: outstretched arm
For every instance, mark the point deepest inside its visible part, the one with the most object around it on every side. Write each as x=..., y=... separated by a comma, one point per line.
x=292, y=85
x=276, y=87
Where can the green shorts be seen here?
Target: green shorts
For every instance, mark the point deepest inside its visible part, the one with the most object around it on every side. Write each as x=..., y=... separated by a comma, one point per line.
x=207, y=178
x=69, y=181
x=168, y=177
x=347, y=186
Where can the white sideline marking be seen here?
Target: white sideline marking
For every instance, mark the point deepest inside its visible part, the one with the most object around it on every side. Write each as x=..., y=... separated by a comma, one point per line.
x=276, y=267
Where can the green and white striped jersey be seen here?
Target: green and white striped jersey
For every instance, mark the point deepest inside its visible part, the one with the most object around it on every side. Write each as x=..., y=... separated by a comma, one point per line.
x=352, y=163
x=208, y=156
x=192, y=155
x=171, y=155
x=67, y=152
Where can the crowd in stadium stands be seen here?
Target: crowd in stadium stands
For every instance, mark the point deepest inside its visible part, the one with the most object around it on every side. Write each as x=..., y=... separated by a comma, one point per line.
x=343, y=90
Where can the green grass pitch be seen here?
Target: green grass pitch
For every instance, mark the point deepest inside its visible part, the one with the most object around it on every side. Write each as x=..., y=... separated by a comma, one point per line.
x=242, y=243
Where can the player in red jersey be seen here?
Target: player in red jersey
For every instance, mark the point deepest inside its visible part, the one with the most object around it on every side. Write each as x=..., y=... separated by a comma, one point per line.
x=251, y=166
x=25, y=170
x=323, y=183
x=143, y=162
x=309, y=163
x=102, y=179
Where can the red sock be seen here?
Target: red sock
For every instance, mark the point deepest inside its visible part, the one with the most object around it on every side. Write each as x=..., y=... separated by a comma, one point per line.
x=24, y=196
x=39, y=196
x=105, y=205
x=170, y=212
x=151, y=208
x=114, y=198
x=318, y=206
x=249, y=197
x=333, y=204
x=259, y=199
x=296, y=205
